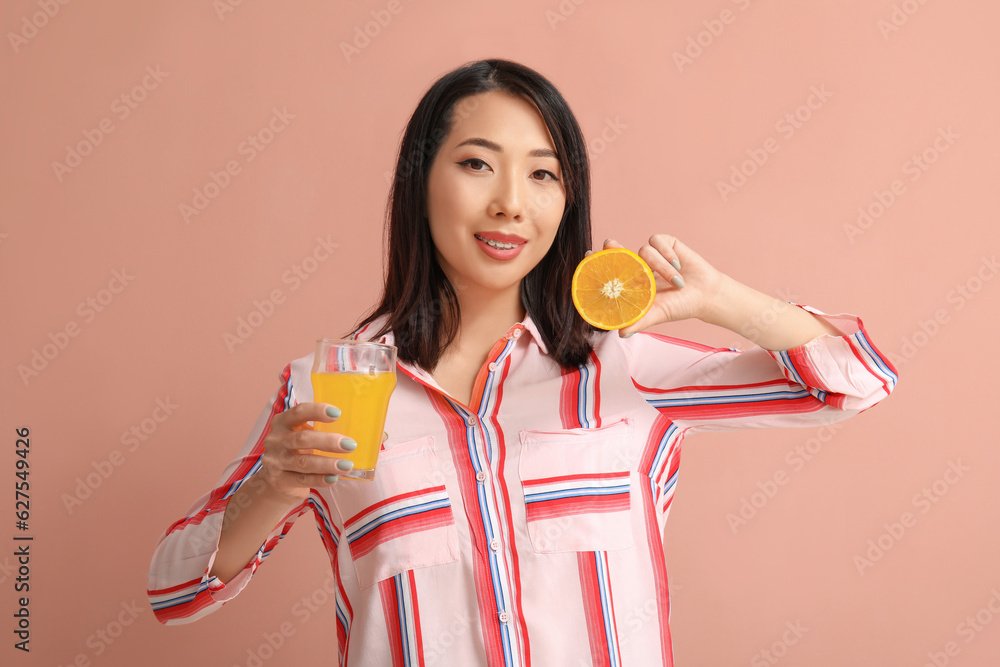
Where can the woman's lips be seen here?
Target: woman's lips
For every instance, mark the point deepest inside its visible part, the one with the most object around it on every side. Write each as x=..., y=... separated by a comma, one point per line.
x=501, y=246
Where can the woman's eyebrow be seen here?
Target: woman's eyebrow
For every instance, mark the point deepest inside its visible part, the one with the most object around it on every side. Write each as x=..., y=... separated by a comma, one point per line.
x=497, y=148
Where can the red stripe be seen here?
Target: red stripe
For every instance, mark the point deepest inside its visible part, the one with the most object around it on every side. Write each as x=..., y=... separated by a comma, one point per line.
x=568, y=398
x=216, y=501
x=189, y=608
x=780, y=406
x=596, y=380
x=390, y=609
x=404, y=525
x=658, y=561
x=371, y=510
x=550, y=509
x=856, y=348
x=320, y=508
x=562, y=478
x=515, y=563
x=803, y=367
x=343, y=632
x=178, y=587
x=684, y=343
x=416, y=619
x=455, y=427
x=592, y=610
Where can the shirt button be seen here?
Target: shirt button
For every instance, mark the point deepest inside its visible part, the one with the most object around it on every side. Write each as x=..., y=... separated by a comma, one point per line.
x=495, y=544
x=492, y=366
x=517, y=333
x=504, y=617
x=481, y=476
x=472, y=420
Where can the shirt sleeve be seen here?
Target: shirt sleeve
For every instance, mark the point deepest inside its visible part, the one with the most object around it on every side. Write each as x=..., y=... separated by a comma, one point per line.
x=179, y=587
x=825, y=380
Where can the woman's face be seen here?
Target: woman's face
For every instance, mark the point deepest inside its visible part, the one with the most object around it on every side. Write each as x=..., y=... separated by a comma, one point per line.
x=495, y=194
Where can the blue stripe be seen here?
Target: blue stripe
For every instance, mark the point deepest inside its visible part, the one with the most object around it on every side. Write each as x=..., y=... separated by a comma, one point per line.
x=575, y=493
x=879, y=361
x=721, y=400
x=173, y=602
x=608, y=630
x=787, y=363
x=404, y=638
x=324, y=522
x=581, y=397
x=396, y=514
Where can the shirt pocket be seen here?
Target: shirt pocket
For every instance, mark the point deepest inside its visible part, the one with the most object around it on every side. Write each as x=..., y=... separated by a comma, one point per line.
x=402, y=520
x=577, y=488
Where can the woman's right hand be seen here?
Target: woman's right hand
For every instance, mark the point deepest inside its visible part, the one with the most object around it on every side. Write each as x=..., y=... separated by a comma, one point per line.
x=288, y=467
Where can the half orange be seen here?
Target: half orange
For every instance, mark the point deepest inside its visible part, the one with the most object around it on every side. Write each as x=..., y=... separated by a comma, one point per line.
x=613, y=288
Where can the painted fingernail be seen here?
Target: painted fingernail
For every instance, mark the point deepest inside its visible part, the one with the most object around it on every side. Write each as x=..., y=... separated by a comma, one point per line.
x=674, y=263
x=333, y=411
x=628, y=335
x=348, y=444
x=331, y=479
x=677, y=281
x=344, y=464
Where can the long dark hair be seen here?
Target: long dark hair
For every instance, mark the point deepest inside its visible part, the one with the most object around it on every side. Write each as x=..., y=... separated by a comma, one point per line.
x=418, y=299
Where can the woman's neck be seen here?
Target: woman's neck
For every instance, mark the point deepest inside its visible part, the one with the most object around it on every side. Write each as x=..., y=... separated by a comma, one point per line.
x=488, y=314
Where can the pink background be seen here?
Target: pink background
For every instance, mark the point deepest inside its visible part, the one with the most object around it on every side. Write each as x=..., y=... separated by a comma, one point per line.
x=662, y=134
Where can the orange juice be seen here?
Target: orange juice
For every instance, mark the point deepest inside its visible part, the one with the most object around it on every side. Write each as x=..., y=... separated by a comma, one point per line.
x=363, y=399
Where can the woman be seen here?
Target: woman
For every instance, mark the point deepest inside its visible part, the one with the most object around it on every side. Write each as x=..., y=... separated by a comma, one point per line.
x=549, y=449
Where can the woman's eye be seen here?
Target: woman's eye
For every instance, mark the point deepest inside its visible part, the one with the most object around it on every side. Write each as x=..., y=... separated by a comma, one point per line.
x=542, y=173
x=475, y=164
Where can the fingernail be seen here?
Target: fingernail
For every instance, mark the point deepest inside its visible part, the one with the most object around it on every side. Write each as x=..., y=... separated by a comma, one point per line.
x=331, y=479
x=588, y=253
x=344, y=464
x=677, y=281
x=607, y=241
x=628, y=335
x=348, y=444
x=674, y=263
x=333, y=411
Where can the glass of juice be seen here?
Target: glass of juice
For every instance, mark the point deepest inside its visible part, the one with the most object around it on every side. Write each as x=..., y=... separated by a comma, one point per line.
x=358, y=377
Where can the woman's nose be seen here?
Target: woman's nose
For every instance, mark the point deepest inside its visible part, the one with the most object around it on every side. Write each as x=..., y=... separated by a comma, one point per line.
x=508, y=199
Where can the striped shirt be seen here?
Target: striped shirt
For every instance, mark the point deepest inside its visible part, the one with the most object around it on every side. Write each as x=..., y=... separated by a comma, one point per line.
x=525, y=528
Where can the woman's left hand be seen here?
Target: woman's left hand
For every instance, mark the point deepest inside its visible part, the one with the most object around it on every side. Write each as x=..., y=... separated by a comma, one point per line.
x=686, y=285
